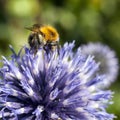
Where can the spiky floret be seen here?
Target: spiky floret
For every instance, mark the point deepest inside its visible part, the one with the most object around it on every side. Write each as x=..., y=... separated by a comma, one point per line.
x=51, y=86
x=107, y=58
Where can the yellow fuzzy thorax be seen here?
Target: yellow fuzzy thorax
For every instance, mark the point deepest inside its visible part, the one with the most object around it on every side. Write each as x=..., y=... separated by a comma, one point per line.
x=50, y=33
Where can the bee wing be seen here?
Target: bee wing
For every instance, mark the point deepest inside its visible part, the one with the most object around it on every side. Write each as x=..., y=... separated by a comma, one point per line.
x=29, y=28
x=34, y=28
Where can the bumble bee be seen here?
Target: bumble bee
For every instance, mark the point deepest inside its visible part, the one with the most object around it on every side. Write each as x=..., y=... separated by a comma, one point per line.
x=43, y=36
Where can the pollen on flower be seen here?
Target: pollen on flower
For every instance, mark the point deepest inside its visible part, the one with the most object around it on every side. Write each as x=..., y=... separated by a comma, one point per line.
x=22, y=110
x=83, y=76
x=31, y=81
x=19, y=76
x=15, y=93
x=79, y=109
x=31, y=92
x=65, y=102
x=92, y=88
x=8, y=104
x=66, y=90
x=96, y=105
x=55, y=116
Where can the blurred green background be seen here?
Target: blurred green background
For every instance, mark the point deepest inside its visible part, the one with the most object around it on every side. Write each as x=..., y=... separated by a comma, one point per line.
x=80, y=20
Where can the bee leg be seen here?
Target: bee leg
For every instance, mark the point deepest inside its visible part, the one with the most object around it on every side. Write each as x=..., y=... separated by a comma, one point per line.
x=56, y=46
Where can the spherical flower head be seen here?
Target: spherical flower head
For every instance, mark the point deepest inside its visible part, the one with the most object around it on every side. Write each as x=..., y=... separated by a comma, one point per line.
x=107, y=58
x=52, y=86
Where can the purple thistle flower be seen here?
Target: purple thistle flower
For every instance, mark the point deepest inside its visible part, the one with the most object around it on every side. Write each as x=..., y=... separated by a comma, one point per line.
x=52, y=86
x=107, y=58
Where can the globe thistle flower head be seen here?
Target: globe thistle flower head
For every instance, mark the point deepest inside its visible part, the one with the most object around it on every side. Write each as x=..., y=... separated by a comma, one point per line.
x=52, y=86
x=106, y=57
